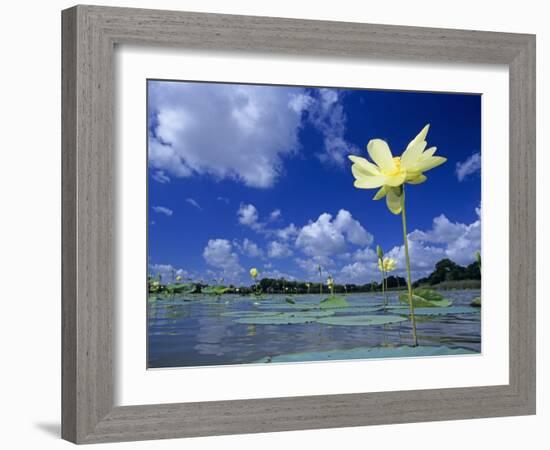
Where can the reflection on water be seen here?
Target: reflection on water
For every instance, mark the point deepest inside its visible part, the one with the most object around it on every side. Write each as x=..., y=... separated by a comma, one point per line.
x=200, y=330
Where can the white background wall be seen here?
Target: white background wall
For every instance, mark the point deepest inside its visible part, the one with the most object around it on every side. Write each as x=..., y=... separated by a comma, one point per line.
x=30, y=223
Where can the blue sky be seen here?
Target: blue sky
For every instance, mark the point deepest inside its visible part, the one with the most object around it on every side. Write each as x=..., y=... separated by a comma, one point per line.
x=245, y=176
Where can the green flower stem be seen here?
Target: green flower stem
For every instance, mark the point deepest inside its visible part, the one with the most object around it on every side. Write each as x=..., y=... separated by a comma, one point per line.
x=385, y=288
x=408, y=263
x=386, y=281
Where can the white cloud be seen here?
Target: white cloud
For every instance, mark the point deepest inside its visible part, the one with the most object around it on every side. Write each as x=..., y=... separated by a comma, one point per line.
x=248, y=216
x=223, y=130
x=219, y=254
x=223, y=199
x=344, y=256
x=321, y=237
x=460, y=241
x=160, y=176
x=300, y=102
x=326, y=113
x=326, y=236
x=454, y=240
x=193, y=202
x=277, y=274
x=468, y=167
x=353, y=230
x=311, y=265
x=289, y=232
x=274, y=215
x=443, y=231
x=278, y=250
x=249, y=248
x=463, y=249
x=423, y=258
x=365, y=254
x=163, y=210
x=240, y=132
x=167, y=272
x=359, y=272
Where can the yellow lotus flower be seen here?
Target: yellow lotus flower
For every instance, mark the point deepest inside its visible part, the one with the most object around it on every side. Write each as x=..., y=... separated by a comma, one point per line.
x=254, y=272
x=389, y=173
x=330, y=281
x=387, y=264
x=178, y=278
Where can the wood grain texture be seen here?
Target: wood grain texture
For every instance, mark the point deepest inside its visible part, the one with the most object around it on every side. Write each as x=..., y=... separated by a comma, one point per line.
x=68, y=224
x=89, y=36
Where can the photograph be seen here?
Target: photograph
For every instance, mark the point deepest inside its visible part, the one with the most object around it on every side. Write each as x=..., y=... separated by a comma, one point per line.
x=296, y=224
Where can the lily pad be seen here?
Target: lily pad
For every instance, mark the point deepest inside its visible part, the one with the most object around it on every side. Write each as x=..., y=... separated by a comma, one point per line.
x=429, y=294
x=303, y=306
x=360, y=309
x=215, y=290
x=451, y=310
x=425, y=298
x=366, y=353
x=240, y=314
x=334, y=302
x=316, y=313
x=181, y=288
x=285, y=318
x=363, y=320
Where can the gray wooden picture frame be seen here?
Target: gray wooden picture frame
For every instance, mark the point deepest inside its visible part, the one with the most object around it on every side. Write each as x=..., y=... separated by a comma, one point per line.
x=89, y=36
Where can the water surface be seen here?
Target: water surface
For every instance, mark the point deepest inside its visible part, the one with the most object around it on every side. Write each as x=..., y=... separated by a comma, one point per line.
x=201, y=330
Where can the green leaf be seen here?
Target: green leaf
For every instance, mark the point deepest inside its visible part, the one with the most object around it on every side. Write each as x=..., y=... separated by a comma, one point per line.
x=476, y=302
x=241, y=314
x=428, y=294
x=360, y=309
x=285, y=318
x=425, y=298
x=363, y=320
x=302, y=306
x=431, y=311
x=366, y=353
x=334, y=302
x=215, y=290
x=181, y=288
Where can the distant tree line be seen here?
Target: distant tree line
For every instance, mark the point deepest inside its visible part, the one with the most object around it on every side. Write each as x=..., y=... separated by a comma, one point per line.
x=447, y=270
x=447, y=273
x=278, y=286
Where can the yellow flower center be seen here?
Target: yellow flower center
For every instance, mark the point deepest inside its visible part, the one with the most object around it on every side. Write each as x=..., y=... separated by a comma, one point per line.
x=397, y=170
x=397, y=161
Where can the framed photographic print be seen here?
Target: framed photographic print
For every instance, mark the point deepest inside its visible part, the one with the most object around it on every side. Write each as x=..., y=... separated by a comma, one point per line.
x=308, y=210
